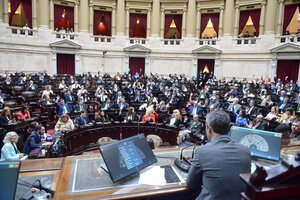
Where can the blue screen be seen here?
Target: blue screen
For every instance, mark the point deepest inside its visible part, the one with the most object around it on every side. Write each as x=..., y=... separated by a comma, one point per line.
x=262, y=144
x=125, y=157
x=9, y=173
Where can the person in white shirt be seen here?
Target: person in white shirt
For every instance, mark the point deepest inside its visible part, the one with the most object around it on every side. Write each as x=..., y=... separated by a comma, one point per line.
x=10, y=151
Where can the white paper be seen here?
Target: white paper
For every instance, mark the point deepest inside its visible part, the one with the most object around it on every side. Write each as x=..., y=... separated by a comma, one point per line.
x=154, y=175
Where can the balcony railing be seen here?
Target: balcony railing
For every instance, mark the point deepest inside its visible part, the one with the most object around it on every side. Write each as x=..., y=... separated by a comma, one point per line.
x=172, y=42
x=103, y=39
x=246, y=41
x=289, y=38
x=211, y=42
x=69, y=36
x=26, y=32
x=137, y=40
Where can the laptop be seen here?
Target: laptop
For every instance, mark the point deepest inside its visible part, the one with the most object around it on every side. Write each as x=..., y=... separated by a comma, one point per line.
x=9, y=173
x=262, y=144
x=127, y=157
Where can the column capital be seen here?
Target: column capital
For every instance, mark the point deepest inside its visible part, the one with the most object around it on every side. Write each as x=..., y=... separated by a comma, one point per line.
x=237, y=6
x=127, y=9
x=198, y=9
x=91, y=5
x=222, y=8
x=149, y=10
x=263, y=3
x=162, y=10
x=280, y=1
x=184, y=10
x=76, y=3
x=113, y=8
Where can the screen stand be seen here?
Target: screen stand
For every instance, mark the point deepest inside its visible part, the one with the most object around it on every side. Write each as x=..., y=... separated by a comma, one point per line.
x=132, y=176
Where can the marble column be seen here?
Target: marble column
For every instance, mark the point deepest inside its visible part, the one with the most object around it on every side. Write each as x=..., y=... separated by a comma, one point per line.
x=52, y=15
x=262, y=18
x=183, y=23
x=1, y=10
x=84, y=16
x=113, y=21
x=270, y=25
x=76, y=17
x=127, y=22
x=198, y=20
x=91, y=25
x=148, y=22
x=155, y=18
x=43, y=13
x=162, y=23
x=34, y=17
x=228, y=17
x=237, y=21
x=221, y=21
x=120, y=28
x=5, y=12
x=190, y=29
x=280, y=17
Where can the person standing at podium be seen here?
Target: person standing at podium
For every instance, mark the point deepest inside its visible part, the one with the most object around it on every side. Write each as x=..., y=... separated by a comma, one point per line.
x=217, y=165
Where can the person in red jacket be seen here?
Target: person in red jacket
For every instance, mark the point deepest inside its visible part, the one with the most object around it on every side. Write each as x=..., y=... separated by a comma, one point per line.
x=150, y=115
x=24, y=114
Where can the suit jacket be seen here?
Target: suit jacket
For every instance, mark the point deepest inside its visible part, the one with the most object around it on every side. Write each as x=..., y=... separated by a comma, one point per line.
x=60, y=109
x=79, y=121
x=33, y=141
x=190, y=110
x=69, y=99
x=195, y=127
x=216, y=167
x=8, y=152
x=3, y=121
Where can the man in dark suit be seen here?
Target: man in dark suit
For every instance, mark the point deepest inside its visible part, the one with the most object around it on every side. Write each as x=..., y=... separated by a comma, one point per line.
x=63, y=108
x=83, y=119
x=252, y=110
x=217, y=165
x=194, y=109
x=195, y=127
x=34, y=140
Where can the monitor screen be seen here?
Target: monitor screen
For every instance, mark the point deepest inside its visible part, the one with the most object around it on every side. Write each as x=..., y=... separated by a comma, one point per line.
x=262, y=144
x=125, y=157
x=9, y=173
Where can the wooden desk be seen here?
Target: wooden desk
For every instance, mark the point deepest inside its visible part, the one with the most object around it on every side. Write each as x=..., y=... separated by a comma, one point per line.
x=41, y=165
x=68, y=189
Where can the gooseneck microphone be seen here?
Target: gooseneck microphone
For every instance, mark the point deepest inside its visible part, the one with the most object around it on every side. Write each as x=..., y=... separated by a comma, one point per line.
x=182, y=163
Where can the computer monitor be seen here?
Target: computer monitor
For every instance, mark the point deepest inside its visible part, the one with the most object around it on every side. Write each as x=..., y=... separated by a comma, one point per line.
x=262, y=144
x=9, y=173
x=126, y=157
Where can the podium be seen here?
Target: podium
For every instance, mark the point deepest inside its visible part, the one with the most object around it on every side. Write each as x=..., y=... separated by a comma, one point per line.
x=280, y=182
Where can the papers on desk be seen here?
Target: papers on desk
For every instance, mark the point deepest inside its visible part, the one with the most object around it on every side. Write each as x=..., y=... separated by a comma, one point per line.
x=24, y=158
x=153, y=175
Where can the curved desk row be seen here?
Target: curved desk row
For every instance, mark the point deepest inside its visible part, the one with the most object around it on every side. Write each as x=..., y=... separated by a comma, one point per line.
x=82, y=139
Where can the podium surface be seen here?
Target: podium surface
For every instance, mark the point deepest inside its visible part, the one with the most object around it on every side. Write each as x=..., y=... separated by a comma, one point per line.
x=82, y=177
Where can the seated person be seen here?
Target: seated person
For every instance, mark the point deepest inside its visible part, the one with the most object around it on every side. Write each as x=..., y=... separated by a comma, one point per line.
x=64, y=124
x=194, y=127
x=83, y=119
x=34, y=140
x=10, y=151
x=69, y=98
x=175, y=119
x=150, y=115
x=131, y=116
x=216, y=166
x=80, y=106
x=194, y=109
x=241, y=119
x=258, y=123
x=5, y=117
x=102, y=117
x=235, y=105
x=273, y=114
x=288, y=116
x=63, y=108
x=24, y=114
x=283, y=105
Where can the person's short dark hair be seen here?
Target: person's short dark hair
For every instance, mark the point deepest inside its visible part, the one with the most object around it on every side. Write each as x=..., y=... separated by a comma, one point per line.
x=39, y=127
x=282, y=128
x=219, y=121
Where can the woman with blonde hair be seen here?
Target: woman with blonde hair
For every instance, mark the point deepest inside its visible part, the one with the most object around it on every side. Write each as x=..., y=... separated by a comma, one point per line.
x=10, y=151
x=176, y=118
x=64, y=124
x=150, y=115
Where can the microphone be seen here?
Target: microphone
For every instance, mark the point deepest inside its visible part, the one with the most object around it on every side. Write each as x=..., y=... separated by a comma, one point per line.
x=183, y=163
x=40, y=187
